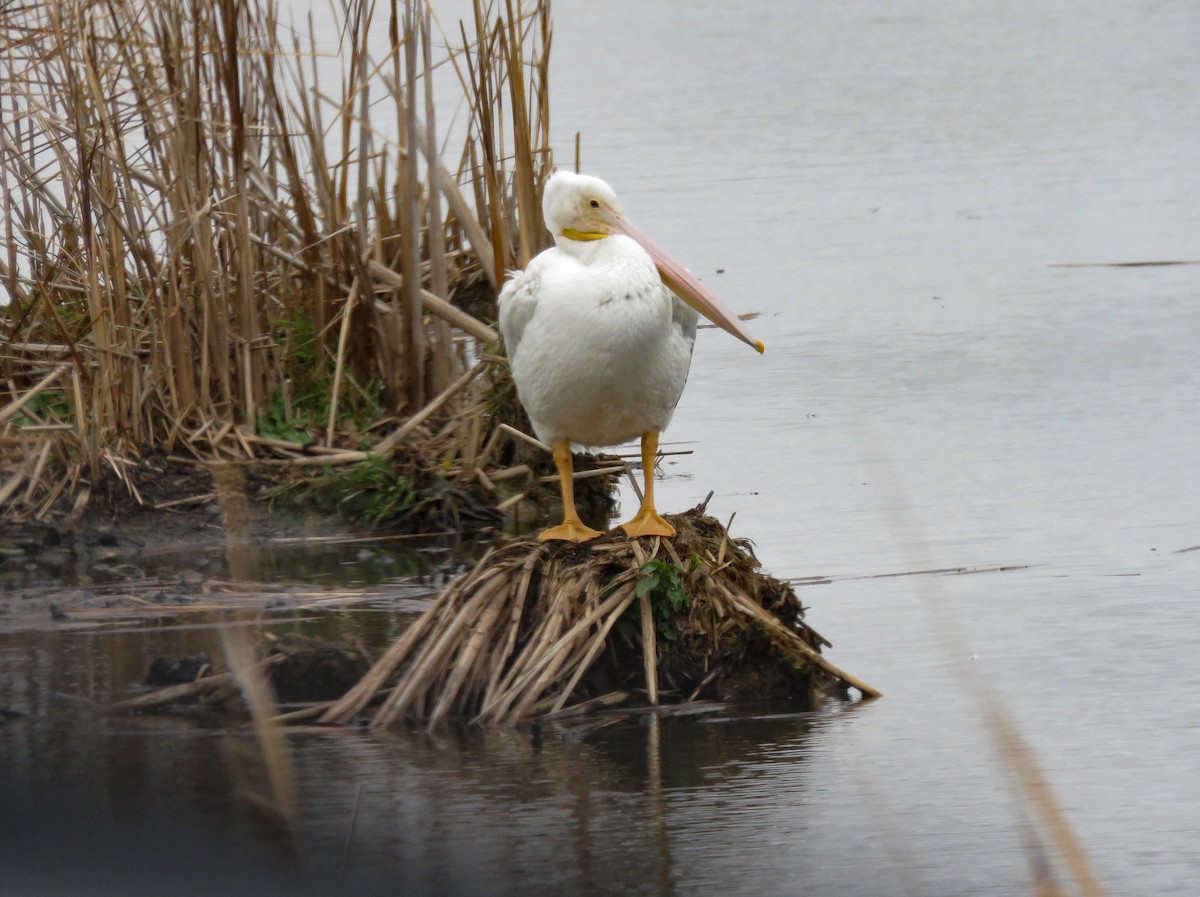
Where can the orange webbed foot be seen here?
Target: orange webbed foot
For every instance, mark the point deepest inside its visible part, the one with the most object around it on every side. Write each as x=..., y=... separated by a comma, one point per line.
x=569, y=531
x=647, y=522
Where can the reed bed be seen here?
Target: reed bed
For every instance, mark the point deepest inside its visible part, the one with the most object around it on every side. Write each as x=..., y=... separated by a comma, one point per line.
x=212, y=252
x=523, y=634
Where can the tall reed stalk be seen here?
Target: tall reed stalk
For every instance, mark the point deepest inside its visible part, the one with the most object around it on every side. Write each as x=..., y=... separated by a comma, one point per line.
x=204, y=243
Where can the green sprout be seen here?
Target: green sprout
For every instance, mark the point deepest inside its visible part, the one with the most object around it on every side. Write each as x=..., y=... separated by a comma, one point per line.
x=660, y=580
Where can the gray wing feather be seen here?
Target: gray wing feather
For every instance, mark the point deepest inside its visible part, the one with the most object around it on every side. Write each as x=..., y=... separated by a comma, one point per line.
x=518, y=303
x=685, y=318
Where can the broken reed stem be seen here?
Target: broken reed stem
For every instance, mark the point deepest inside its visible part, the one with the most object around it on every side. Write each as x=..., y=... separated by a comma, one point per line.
x=426, y=662
x=649, y=649
x=386, y=445
x=173, y=694
x=524, y=437
x=13, y=407
x=793, y=641
x=480, y=633
x=353, y=702
x=649, y=642
x=546, y=651
x=431, y=663
x=339, y=366
x=597, y=645
x=520, y=595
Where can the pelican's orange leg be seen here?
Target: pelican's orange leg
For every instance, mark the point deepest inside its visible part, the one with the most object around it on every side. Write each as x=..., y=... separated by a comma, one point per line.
x=648, y=522
x=572, y=528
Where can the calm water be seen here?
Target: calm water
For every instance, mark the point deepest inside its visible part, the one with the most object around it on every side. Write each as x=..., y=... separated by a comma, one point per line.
x=892, y=186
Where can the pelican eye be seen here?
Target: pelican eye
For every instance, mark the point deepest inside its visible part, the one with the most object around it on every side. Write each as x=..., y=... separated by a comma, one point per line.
x=595, y=204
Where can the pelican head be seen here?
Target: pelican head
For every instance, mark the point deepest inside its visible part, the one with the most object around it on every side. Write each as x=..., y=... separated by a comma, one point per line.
x=579, y=207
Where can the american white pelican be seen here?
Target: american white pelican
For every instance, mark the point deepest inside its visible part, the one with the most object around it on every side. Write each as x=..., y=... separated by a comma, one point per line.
x=598, y=340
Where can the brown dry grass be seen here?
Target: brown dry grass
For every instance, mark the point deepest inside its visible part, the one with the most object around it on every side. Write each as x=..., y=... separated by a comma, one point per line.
x=210, y=251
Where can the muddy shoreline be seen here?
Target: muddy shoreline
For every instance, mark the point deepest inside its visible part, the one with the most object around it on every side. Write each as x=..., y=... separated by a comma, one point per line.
x=142, y=560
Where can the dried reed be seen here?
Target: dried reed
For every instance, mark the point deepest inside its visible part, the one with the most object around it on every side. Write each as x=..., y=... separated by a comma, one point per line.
x=206, y=247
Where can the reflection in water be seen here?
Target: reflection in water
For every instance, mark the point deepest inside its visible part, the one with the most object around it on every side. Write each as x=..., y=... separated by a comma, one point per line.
x=607, y=811
x=662, y=841
x=261, y=765
x=241, y=552
x=606, y=805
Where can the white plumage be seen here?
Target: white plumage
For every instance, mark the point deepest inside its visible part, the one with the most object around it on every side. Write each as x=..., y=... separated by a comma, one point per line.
x=599, y=346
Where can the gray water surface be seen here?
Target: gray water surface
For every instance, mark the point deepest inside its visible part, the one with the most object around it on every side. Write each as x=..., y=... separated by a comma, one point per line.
x=893, y=186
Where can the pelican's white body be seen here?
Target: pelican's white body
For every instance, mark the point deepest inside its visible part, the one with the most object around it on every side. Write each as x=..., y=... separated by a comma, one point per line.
x=599, y=347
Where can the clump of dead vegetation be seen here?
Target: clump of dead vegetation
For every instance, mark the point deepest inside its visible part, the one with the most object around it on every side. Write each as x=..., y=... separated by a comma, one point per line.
x=227, y=242
x=541, y=630
x=546, y=629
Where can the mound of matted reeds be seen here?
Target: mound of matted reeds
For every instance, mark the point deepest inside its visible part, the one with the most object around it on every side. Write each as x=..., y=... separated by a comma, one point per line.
x=521, y=635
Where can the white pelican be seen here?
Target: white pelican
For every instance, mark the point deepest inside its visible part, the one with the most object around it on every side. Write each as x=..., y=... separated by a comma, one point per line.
x=598, y=344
